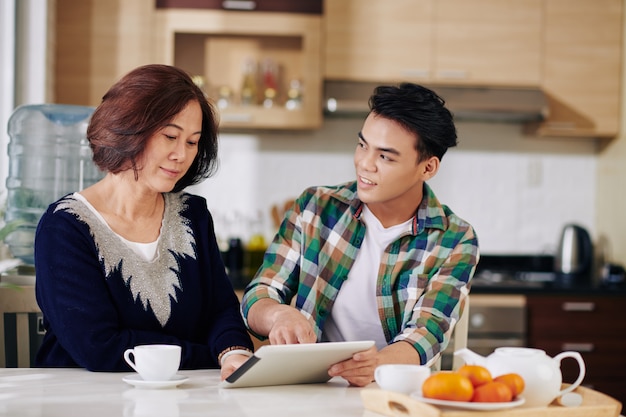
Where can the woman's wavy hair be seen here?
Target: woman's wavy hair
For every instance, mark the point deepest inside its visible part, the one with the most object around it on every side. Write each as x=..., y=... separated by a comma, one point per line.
x=139, y=105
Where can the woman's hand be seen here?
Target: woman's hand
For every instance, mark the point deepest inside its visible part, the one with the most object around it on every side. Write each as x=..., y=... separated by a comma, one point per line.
x=231, y=363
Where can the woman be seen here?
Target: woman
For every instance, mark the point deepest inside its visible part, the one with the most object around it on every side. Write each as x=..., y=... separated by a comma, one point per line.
x=133, y=259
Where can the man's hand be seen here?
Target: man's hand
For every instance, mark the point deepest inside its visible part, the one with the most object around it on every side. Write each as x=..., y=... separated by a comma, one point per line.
x=359, y=370
x=281, y=323
x=290, y=326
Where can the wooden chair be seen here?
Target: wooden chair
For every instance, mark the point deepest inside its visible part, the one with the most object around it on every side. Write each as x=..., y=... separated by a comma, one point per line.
x=20, y=327
x=459, y=340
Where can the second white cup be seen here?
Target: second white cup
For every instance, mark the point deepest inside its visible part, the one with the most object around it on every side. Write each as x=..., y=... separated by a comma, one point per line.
x=154, y=362
x=402, y=378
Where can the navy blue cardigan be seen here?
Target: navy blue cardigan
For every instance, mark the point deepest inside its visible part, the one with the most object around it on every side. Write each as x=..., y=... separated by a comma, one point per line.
x=99, y=298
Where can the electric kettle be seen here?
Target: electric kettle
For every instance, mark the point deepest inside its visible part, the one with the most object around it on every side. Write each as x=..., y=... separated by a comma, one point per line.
x=574, y=259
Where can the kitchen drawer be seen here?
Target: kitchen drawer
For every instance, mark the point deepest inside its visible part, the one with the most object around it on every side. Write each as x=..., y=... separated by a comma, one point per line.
x=611, y=387
x=591, y=325
x=602, y=358
x=575, y=318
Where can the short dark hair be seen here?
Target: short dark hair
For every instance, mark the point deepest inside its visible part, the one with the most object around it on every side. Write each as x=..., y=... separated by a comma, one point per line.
x=420, y=111
x=136, y=107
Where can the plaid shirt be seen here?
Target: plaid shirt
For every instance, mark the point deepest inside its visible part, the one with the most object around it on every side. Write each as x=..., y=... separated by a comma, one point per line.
x=422, y=283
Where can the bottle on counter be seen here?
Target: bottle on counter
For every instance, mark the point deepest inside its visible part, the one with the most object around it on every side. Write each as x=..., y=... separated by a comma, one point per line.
x=255, y=247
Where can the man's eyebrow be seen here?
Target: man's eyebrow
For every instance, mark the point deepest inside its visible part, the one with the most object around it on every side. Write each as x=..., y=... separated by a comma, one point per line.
x=388, y=150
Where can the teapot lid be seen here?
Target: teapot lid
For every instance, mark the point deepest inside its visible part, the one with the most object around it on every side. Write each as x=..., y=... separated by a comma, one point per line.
x=519, y=351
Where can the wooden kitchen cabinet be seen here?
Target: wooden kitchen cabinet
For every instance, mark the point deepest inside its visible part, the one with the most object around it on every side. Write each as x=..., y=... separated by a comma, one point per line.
x=372, y=40
x=436, y=41
x=215, y=45
x=488, y=42
x=591, y=325
x=582, y=67
x=95, y=43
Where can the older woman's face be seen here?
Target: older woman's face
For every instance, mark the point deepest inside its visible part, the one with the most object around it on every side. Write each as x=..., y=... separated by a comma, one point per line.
x=171, y=150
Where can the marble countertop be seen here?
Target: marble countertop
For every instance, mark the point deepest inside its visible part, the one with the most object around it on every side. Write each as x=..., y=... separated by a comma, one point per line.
x=76, y=392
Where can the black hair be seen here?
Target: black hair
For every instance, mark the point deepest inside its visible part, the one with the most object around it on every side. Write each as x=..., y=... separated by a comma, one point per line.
x=420, y=111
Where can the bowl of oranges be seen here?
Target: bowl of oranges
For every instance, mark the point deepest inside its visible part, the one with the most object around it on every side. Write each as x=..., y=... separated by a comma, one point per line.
x=472, y=387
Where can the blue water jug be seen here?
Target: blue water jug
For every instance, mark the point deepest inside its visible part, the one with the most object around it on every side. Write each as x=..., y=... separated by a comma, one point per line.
x=49, y=157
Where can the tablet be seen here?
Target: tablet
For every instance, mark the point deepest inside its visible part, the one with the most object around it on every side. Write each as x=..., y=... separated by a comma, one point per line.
x=292, y=364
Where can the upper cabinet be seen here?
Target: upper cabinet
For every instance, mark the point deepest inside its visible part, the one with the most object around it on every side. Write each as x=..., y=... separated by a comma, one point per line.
x=262, y=69
x=95, y=43
x=582, y=67
x=571, y=49
x=487, y=42
x=435, y=41
x=372, y=40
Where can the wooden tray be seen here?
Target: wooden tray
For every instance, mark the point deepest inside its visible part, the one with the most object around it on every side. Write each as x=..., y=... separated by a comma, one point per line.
x=595, y=404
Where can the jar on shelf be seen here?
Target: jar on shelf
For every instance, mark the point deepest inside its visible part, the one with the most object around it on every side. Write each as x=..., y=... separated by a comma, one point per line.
x=294, y=95
x=270, y=82
x=249, y=83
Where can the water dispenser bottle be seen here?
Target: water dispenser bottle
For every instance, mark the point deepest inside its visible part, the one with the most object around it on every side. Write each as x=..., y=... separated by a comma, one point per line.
x=49, y=157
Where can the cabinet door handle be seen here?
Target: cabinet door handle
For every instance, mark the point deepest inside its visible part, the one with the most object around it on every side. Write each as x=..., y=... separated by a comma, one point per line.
x=578, y=306
x=239, y=5
x=578, y=347
x=453, y=74
x=415, y=73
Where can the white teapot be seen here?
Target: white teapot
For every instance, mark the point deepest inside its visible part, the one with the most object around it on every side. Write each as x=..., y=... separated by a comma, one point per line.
x=541, y=373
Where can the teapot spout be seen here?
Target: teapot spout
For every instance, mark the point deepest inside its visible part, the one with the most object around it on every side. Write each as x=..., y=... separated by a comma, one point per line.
x=470, y=357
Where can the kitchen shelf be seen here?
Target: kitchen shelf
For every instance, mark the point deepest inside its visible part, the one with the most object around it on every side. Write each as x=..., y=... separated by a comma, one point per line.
x=216, y=44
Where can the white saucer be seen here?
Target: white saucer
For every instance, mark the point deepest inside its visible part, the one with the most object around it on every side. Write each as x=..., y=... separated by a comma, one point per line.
x=466, y=405
x=136, y=381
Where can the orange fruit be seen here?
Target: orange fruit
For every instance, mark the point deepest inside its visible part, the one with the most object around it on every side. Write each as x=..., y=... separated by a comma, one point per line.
x=492, y=392
x=449, y=386
x=479, y=375
x=515, y=382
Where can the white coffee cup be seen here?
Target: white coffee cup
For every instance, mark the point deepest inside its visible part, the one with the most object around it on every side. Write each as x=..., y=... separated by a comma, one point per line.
x=154, y=362
x=402, y=378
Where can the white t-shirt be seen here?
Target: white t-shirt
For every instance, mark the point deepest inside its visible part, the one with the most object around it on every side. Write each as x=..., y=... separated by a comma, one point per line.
x=354, y=315
x=147, y=251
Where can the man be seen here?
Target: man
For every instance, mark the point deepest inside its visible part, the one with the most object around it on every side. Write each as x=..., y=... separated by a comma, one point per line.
x=375, y=259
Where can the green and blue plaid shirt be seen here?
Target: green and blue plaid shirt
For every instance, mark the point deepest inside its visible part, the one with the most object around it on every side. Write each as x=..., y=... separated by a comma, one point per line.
x=422, y=283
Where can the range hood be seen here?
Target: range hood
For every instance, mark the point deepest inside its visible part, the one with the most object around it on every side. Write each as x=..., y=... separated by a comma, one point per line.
x=489, y=104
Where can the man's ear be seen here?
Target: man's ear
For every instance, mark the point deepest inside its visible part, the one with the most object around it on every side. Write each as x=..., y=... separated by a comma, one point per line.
x=430, y=167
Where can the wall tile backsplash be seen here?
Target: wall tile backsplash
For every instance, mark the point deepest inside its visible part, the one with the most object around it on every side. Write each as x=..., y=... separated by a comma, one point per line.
x=516, y=191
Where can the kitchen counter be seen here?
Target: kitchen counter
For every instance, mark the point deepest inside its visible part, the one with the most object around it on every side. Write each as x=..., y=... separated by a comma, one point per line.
x=551, y=288
x=71, y=392
x=532, y=274
x=77, y=392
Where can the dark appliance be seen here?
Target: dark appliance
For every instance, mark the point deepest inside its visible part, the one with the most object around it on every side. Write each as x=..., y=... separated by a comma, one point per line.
x=574, y=259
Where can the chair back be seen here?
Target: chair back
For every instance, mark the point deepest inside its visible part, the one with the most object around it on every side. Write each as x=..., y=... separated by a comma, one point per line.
x=21, y=327
x=458, y=341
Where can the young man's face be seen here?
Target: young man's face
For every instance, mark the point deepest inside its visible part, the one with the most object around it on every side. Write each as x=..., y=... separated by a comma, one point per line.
x=387, y=168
